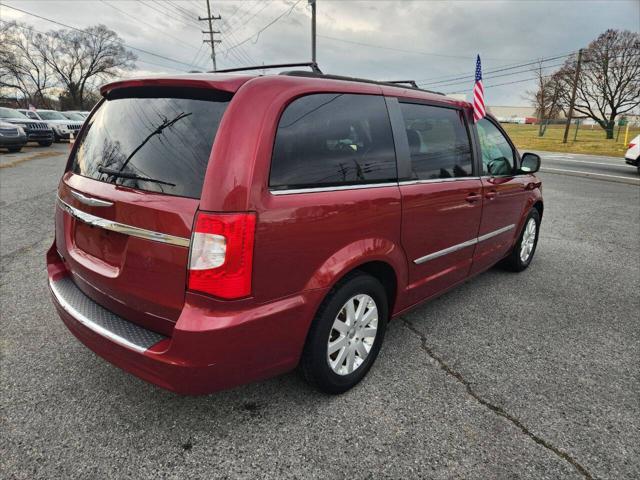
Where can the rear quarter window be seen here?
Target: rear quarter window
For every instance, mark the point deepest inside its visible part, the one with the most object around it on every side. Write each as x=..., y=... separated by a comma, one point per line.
x=151, y=139
x=331, y=140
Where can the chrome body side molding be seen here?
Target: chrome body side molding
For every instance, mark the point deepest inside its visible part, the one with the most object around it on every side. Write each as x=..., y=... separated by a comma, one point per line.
x=292, y=191
x=123, y=228
x=460, y=246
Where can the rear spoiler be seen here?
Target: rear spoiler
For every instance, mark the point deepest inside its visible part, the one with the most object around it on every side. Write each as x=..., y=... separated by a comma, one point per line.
x=225, y=83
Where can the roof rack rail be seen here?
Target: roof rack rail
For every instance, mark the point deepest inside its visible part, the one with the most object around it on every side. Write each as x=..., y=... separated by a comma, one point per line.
x=411, y=83
x=300, y=73
x=313, y=65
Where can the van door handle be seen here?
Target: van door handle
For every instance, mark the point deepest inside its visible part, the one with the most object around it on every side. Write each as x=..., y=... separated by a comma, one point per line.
x=473, y=197
x=491, y=195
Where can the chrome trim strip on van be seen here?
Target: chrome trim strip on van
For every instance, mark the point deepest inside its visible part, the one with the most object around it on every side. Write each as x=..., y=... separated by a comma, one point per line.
x=92, y=202
x=435, y=180
x=123, y=228
x=446, y=251
x=462, y=245
x=331, y=189
x=489, y=235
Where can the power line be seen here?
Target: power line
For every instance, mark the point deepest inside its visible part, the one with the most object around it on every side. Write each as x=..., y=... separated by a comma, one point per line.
x=149, y=25
x=147, y=52
x=188, y=22
x=512, y=67
x=243, y=22
x=501, y=84
x=497, y=76
x=415, y=52
x=179, y=8
x=286, y=12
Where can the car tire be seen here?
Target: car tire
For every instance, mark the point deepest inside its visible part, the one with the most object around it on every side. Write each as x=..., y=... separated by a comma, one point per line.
x=337, y=326
x=14, y=149
x=522, y=253
x=45, y=144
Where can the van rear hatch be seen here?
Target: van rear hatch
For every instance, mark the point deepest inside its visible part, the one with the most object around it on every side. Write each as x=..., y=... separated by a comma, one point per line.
x=127, y=203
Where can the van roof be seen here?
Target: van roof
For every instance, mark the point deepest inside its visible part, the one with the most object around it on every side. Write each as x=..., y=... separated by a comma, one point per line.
x=231, y=82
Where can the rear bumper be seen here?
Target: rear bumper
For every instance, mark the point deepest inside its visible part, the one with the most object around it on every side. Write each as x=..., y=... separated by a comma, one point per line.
x=633, y=161
x=209, y=350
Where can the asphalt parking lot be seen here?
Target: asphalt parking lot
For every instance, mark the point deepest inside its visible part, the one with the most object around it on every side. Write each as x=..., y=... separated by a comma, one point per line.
x=532, y=375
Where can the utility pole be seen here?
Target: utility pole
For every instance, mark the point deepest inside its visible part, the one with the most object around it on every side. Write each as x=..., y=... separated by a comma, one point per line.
x=211, y=31
x=573, y=97
x=313, y=30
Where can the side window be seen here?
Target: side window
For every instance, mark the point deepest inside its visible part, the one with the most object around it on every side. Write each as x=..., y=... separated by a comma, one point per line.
x=333, y=139
x=498, y=158
x=438, y=142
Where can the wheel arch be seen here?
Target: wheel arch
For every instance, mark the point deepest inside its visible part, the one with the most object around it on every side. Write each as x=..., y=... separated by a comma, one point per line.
x=383, y=260
x=538, y=205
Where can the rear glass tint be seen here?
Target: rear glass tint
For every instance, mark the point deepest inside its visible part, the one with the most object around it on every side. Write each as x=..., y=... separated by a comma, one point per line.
x=157, y=140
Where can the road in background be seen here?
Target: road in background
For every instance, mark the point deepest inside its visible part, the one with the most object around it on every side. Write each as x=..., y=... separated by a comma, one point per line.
x=531, y=375
x=594, y=166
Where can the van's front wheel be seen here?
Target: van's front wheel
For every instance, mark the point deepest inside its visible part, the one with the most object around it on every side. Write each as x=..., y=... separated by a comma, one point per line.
x=522, y=253
x=346, y=335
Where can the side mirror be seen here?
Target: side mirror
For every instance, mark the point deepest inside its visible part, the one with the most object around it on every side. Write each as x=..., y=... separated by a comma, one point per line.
x=530, y=163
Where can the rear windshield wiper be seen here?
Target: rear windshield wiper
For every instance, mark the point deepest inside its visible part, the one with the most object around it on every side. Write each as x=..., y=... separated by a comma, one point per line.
x=133, y=176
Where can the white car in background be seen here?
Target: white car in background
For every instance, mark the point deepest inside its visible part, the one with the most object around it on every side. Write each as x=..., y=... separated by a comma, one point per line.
x=61, y=125
x=632, y=157
x=76, y=117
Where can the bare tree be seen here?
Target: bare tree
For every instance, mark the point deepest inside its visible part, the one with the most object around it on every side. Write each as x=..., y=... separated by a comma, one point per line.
x=609, y=81
x=82, y=59
x=22, y=69
x=546, y=98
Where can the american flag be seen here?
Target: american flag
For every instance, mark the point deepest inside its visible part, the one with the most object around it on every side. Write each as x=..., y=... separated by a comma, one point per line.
x=478, y=94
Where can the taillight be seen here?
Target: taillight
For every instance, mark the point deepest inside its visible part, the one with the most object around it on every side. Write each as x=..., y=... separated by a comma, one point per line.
x=221, y=256
x=631, y=145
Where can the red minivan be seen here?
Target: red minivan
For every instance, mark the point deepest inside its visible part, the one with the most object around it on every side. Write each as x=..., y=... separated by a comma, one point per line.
x=216, y=229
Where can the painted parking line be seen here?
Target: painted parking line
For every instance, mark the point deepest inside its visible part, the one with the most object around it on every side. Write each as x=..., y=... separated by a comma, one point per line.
x=602, y=176
x=564, y=159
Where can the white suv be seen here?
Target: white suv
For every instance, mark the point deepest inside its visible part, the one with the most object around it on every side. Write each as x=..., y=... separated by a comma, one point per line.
x=632, y=157
x=61, y=125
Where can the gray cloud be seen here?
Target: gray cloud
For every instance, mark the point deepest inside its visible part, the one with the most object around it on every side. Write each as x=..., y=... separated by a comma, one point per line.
x=447, y=33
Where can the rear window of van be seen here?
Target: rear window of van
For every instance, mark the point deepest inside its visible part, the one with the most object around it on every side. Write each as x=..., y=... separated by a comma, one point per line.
x=153, y=139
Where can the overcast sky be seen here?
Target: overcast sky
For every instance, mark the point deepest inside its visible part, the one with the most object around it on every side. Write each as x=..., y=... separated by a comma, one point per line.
x=429, y=40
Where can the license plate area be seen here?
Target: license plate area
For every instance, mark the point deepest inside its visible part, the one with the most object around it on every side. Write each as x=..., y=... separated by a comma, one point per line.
x=100, y=243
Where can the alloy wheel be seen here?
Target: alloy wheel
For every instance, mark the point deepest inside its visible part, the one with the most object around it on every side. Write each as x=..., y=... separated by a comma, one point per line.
x=528, y=240
x=352, y=334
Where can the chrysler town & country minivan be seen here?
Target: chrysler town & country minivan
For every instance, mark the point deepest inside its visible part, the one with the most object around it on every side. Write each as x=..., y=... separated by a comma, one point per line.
x=216, y=229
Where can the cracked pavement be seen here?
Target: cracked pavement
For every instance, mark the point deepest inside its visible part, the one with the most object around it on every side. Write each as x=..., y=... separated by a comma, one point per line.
x=531, y=375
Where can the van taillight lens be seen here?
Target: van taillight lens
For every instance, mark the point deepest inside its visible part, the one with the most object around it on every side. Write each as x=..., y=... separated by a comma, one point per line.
x=631, y=145
x=221, y=256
